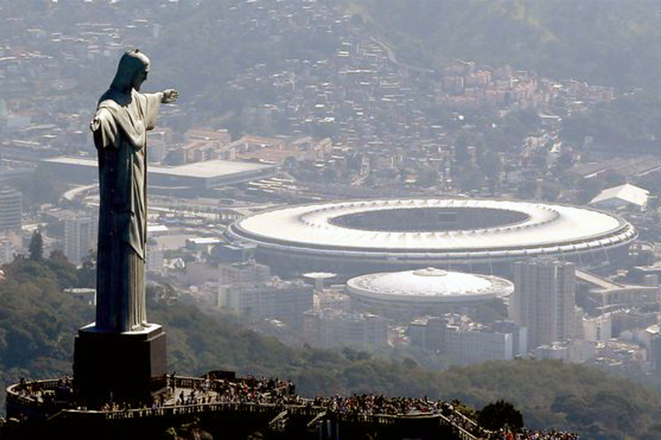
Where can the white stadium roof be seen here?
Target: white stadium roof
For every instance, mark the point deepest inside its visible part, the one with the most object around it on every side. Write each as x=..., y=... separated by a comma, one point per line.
x=430, y=284
x=541, y=229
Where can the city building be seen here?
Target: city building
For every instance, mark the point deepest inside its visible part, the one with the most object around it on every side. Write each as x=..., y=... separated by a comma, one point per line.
x=655, y=352
x=428, y=332
x=625, y=196
x=332, y=328
x=577, y=351
x=598, y=328
x=466, y=342
x=155, y=260
x=10, y=174
x=519, y=335
x=241, y=273
x=544, y=299
x=610, y=296
x=83, y=294
x=622, y=355
x=158, y=141
x=248, y=290
x=10, y=209
x=632, y=319
x=184, y=179
x=80, y=235
x=205, y=145
x=7, y=250
x=285, y=301
x=233, y=253
x=332, y=298
x=486, y=236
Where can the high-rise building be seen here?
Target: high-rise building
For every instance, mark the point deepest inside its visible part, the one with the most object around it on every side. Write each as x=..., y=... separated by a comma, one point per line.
x=472, y=343
x=276, y=299
x=519, y=335
x=428, y=332
x=11, y=202
x=544, y=299
x=655, y=352
x=155, y=258
x=332, y=328
x=466, y=342
x=243, y=273
x=247, y=289
x=6, y=250
x=80, y=229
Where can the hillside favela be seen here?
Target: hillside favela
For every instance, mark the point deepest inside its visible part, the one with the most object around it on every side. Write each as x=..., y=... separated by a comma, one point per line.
x=330, y=219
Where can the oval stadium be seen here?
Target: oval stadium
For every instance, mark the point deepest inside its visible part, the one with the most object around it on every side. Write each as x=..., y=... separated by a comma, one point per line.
x=358, y=237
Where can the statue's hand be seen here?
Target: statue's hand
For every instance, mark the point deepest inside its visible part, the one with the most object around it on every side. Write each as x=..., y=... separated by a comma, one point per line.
x=169, y=96
x=95, y=124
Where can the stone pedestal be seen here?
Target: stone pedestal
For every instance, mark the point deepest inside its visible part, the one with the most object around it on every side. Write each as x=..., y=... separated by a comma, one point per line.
x=119, y=366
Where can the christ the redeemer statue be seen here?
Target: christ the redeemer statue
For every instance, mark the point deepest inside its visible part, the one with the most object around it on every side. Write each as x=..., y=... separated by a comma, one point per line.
x=123, y=117
x=121, y=357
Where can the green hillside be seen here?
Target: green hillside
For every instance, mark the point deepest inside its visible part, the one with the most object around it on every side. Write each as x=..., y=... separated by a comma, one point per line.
x=606, y=42
x=38, y=323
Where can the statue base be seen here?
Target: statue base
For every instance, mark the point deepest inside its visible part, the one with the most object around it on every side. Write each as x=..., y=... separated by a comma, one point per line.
x=119, y=367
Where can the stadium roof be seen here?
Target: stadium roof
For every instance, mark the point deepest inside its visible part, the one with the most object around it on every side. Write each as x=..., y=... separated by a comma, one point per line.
x=430, y=283
x=542, y=227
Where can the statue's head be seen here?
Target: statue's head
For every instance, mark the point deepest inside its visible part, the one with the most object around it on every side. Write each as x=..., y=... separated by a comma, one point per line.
x=131, y=72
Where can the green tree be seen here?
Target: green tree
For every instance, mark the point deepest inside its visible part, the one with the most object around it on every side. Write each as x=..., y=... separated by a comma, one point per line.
x=500, y=414
x=36, y=246
x=427, y=176
x=565, y=160
x=461, y=149
x=491, y=165
x=87, y=271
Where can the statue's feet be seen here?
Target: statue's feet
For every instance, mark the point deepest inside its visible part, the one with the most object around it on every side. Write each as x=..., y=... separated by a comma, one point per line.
x=138, y=328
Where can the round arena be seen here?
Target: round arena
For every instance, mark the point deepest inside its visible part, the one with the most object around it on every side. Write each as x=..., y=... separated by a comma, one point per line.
x=424, y=291
x=487, y=236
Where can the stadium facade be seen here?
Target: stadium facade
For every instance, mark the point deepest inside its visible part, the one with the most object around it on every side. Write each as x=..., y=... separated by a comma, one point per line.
x=485, y=236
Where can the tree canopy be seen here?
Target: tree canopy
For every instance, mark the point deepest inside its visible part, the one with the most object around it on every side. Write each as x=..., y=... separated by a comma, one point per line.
x=36, y=247
x=500, y=415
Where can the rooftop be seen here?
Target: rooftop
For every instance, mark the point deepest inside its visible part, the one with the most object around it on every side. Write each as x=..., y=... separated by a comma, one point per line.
x=627, y=192
x=206, y=169
x=430, y=283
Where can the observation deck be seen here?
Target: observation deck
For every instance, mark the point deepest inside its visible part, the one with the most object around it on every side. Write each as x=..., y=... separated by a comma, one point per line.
x=238, y=405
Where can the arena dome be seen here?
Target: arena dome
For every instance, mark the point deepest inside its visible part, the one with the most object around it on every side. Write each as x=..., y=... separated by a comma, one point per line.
x=426, y=287
x=364, y=236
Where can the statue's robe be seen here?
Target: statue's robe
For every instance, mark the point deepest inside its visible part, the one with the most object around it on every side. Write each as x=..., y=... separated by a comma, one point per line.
x=120, y=128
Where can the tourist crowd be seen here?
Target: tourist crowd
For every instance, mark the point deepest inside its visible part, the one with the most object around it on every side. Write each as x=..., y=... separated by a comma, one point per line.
x=527, y=434
x=33, y=390
x=254, y=390
x=247, y=390
x=372, y=404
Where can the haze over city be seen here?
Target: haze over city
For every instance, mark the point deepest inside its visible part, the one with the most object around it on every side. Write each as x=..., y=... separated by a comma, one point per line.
x=394, y=210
